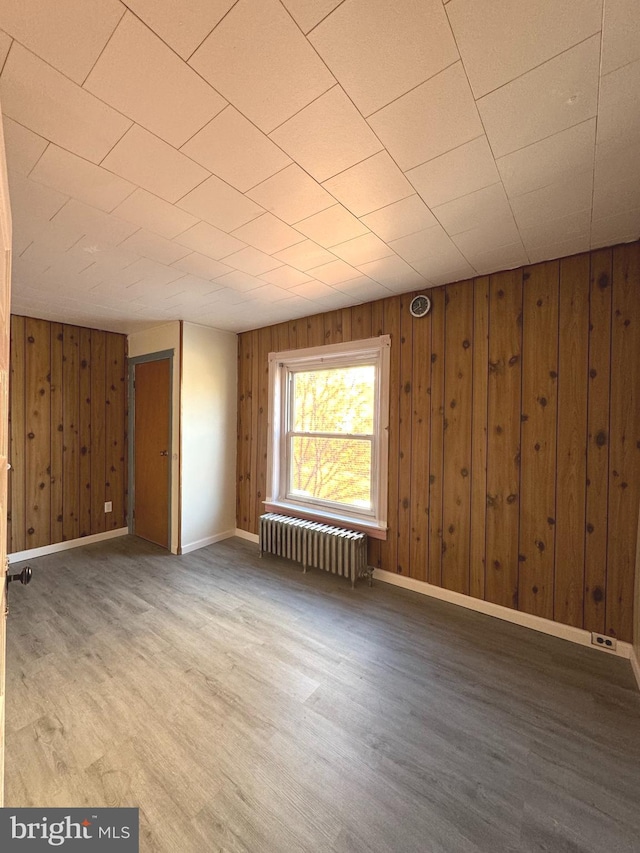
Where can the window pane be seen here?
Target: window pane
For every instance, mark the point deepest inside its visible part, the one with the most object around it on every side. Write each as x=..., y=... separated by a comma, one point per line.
x=332, y=469
x=336, y=400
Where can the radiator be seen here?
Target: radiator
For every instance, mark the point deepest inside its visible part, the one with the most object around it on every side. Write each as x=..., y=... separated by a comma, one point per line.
x=316, y=545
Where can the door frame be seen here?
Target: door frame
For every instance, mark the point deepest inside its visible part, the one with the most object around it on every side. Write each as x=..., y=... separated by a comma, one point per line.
x=142, y=359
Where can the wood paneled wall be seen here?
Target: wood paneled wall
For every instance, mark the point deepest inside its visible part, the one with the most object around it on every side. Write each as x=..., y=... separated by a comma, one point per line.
x=514, y=470
x=67, y=411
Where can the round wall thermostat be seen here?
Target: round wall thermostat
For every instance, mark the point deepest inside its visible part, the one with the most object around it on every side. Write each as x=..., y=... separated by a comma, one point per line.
x=420, y=305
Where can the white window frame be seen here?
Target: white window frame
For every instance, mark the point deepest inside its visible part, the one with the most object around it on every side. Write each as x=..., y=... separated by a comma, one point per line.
x=281, y=365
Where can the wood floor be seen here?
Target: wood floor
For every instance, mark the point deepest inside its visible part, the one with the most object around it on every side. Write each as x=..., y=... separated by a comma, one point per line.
x=244, y=706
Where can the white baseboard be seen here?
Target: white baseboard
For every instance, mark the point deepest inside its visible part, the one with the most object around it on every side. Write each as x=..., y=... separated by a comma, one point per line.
x=635, y=665
x=208, y=540
x=250, y=537
x=32, y=553
x=527, y=620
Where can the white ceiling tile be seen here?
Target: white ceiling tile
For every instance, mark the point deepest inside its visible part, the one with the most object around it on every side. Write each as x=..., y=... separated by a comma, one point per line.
x=220, y=204
x=400, y=218
x=620, y=34
x=202, y=266
x=364, y=289
x=152, y=246
x=101, y=228
x=331, y=226
x=240, y=281
x=499, y=258
x=268, y=233
x=252, y=261
x=73, y=176
x=210, y=241
x=620, y=228
x=23, y=148
x=501, y=40
x=619, y=113
x=335, y=300
x=143, y=159
x=546, y=233
x=308, y=13
x=393, y=272
x=153, y=213
x=143, y=78
x=292, y=195
x=438, y=271
x=32, y=203
x=182, y=25
x=304, y=256
x=550, y=98
x=5, y=44
x=68, y=34
x=327, y=136
x=285, y=276
x=370, y=185
x=312, y=290
x=561, y=198
x=431, y=119
x=334, y=272
x=258, y=59
x=236, y=151
x=270, y=293
x=608, y=201
x=474, y=209
x=145, y=271
x=378, y=51
x=561, y=249
x=494, y=233
x=363, y=249
x=467, y=168
x=432, y=252
x=548, y=160
x=48, y=103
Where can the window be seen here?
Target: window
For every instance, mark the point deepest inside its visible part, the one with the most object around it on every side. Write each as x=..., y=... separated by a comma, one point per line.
x=328, y=433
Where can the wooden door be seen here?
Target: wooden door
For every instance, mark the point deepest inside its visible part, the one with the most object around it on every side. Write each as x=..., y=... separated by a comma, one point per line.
x=5, y=308
x=152, y=450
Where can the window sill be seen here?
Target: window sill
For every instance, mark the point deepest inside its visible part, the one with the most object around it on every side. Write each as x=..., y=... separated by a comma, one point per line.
x=371, y=528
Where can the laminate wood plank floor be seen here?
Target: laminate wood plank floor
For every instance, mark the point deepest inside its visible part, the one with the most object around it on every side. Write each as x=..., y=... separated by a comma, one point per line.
x=246, y=707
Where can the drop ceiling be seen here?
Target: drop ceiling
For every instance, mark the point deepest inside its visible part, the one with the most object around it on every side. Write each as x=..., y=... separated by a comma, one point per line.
x=238, y=164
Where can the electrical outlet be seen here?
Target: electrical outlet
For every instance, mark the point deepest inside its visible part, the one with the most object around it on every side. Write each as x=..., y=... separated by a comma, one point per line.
x=603, y=641
x=108, y=506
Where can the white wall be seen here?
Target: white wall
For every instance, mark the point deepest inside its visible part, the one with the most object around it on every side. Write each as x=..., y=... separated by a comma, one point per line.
x=157, y=339
x=209, y=435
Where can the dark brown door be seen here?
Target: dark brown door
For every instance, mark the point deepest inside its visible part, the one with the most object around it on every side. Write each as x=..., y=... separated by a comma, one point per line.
x=152, y=451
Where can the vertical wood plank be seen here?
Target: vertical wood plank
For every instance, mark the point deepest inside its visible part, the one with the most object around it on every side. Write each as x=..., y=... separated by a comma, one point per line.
x=503, y=438
x=84, y=424
x=436, y=443
x=456, y=505
x=405, y=436
x=361, y=322
x=624, y=460
x=538, y=439
x=57, y=433
x=315, y=330
x=115, y=430
x=264, y=348
x=71, y=449
x=298, y=333
x=252, y=479
x=479, y=436
x=391, y=326
x=346, y=324
x=38, y=428
x=244, y=430
x=98, y=438
x=18, y=432
x=599, y=385
x=280, y=337
x=420, y=407
x=374, y=548
x=332, y=326
x=573, y=360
